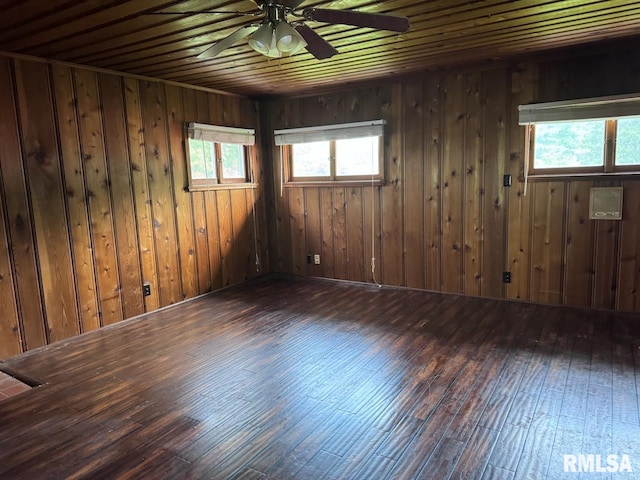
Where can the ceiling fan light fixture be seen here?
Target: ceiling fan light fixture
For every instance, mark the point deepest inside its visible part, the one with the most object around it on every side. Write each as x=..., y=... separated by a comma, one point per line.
x=273, y=50
x=276, y=41
x=288, y=39
x=275, y=37
x=262, y=39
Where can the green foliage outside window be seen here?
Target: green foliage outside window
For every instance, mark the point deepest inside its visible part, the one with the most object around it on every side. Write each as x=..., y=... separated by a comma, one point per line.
x=210, y=160
x=628, y=142
x=232, y=160
x=202, y=159
x=570, y=144
x=580, y=144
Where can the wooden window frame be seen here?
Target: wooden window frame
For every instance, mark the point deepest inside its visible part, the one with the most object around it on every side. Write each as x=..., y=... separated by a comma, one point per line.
x=220, y=169
x=333, y=178
x=608, y=167
x=219, y=182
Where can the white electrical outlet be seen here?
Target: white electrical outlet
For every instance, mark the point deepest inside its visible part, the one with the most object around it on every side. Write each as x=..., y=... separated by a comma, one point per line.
x=316, y=259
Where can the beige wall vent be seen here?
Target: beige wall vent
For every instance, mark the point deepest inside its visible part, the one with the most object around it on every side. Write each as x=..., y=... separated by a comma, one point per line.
x=605, y=203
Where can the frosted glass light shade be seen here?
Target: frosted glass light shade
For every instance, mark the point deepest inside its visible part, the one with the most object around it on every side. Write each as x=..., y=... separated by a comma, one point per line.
x=262, y=39
x=287, y=38
x=283, y=40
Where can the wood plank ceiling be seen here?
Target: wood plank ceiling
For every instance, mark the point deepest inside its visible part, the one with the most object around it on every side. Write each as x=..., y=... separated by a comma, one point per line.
x=127, y=36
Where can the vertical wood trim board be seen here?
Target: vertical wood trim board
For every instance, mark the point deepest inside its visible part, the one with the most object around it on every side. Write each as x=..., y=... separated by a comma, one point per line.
x=43, y=170
x=20, y=238
x=182, y=198
x=141, y=198
x=82, y=242
x=98, y=188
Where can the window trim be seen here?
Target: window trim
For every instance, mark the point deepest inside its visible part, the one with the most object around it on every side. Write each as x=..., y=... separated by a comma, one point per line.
x=333, y=178
x=287, y=153
x=217, y=135
x=608, y=167
x=285, y=138
x=609, y=109
x=220, y=169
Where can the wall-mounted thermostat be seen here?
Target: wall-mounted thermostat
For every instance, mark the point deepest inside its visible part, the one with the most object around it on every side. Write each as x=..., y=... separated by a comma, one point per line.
x=605, y=203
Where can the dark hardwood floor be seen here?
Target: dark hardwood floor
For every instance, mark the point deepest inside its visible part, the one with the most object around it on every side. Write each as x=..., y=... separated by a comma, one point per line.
x=313, y=379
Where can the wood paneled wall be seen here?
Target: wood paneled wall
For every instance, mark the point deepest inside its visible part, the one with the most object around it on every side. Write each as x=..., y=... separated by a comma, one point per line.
x=93, y=202
x=443, y=221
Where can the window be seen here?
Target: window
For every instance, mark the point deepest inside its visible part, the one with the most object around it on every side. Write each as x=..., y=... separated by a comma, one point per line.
x=602, y=146
x=595, y=136
x=311, y=160
x=334, y=153
x=627, y=150
x=218, y=155
x=569, y=144
x=357, y=157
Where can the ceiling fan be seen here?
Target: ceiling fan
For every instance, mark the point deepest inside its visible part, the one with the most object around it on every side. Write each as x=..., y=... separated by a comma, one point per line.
x=276, y=36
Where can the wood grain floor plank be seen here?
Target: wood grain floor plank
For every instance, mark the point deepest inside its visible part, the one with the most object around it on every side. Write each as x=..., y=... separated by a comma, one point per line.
x=318, y=465
x=497, y=473
x=625, y=400
x=296, y=431
x=473, y=461
x=248, y=474
x=598, y=428
x=376, y=466
x=568, y=441
x=510, y=443
x=574, y=401
x=357, y=453
x=536, y=453
x=626, y=438
x=443, y=459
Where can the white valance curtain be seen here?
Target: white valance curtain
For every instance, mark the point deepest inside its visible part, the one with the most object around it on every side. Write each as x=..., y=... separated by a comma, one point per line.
x=600, y=108
x=214, y=133
x=344, y=131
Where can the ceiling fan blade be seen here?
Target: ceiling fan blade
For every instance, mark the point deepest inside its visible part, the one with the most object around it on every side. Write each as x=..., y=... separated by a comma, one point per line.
x=204, y=12
x=228, y=41
x=316, y=45
x=379, y=21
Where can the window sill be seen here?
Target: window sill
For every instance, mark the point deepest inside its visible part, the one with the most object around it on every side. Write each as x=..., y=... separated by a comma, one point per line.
x=221, y=186
x=559, y=177
x=335, y=183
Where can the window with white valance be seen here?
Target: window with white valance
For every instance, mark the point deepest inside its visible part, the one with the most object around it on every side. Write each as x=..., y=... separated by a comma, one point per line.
x=333, y=153
x=218, y=155
x=588, y=136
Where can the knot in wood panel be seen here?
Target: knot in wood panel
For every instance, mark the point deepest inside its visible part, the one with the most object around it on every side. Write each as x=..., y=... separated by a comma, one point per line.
x=40, y=157
x=19, y=221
